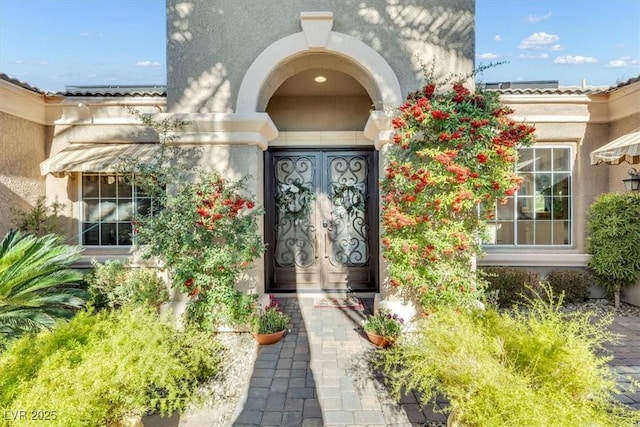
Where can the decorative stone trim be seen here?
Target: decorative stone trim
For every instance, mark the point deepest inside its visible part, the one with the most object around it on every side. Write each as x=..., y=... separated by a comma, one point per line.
x=316, y=27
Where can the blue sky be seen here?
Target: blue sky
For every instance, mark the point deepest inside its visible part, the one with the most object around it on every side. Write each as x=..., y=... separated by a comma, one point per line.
x=51, y=44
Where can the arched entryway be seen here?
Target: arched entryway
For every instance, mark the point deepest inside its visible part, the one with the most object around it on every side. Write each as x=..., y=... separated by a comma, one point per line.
x=321, y=173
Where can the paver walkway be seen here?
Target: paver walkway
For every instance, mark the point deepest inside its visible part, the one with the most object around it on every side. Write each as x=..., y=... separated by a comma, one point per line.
x=318, y=375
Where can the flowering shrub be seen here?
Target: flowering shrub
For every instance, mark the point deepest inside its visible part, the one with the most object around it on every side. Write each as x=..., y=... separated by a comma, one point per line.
x=384, y=323
x=203, y=227
x=207, y=234
x=271, y=319
x=453, y=156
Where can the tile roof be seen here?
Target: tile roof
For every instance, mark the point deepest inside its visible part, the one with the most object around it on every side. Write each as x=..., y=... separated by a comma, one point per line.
x=20, y=83
x=106, y=91
x=115, y=90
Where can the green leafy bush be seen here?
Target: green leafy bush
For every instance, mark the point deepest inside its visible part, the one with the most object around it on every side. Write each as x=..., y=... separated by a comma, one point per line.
x=100, y=368
x=115, y=284
x=513, y=285
x=205, y=229
x=40, y=220
x=534, y=367
x=614, y=240
x=574, y=285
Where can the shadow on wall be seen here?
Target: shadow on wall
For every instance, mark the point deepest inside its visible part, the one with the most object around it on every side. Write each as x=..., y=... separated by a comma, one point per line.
x=10, y=200
x=405, y=35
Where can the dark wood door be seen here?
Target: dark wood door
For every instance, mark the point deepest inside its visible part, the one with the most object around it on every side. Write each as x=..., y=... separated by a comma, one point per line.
x=321, y=221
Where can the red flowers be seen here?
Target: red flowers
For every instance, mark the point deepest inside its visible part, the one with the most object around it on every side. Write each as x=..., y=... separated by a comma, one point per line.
x=433, y=184
x=439, y=115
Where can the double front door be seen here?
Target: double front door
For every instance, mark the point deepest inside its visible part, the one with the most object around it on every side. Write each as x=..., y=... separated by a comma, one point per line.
x=321, y=220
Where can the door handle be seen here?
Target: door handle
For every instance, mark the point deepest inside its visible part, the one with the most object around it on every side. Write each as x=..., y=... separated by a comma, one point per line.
x=315, y=245
x=326, y=255
x=325, y=223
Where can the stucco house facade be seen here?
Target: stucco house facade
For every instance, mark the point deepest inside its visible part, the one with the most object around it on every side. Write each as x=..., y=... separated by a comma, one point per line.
x=305, y=96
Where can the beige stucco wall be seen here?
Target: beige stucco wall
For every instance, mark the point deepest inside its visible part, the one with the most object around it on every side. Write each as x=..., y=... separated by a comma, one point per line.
x=332, y=113
x=211, y=44
x=22, y=144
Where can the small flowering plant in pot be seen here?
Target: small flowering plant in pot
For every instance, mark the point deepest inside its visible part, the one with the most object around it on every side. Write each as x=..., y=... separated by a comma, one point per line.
x=383, y=328
x=270, y=323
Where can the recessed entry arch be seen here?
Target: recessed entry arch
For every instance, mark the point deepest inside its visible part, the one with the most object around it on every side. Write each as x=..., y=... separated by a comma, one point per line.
x=297, y=52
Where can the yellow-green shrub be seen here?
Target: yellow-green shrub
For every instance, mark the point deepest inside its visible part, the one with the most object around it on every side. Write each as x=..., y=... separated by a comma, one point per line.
x=535, y=367
x=99, y=368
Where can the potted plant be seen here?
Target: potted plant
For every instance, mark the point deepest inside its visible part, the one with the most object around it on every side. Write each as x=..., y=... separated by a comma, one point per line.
x=383, y=328
x=270, y=323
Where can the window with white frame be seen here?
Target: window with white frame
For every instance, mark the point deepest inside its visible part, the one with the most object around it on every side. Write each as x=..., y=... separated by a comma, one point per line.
x=540, y=213
x=109, y=203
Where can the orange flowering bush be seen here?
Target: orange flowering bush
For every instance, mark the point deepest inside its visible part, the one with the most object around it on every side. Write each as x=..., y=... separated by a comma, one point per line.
x=453, y=157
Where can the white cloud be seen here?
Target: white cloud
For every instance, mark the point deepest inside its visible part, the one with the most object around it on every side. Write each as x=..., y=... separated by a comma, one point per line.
x=487, y=55
x=539, y=41
x=575, y=60
x=556, y=48
x=529, y=56
x=535, y=19
x=617, y=63
x=31, y=62
x=625, y=61
x=497, y=38
x=88, y=35
x=147, y=64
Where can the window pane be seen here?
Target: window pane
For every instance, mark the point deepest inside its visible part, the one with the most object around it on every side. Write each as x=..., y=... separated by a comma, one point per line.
x=90, y=186
x=124, y=233
x=526, y=207
x=527, y=187
x=561, y=233
x=525, y=232
x=504, y=233
x=543, y=183
x=91, y=234
x=124, y=188
x=108, y=210
x=561, y=184
x=505, y=211
x=108, y=186
x=561, y=159
x=125, y=210
x=91, y=210
x=543, y=232
x=543, y=159
x=525, y=160
x=561, y=207
x=108, y=234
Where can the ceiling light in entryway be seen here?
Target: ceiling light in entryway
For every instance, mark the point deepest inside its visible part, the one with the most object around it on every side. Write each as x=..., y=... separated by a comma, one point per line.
x=320, y=79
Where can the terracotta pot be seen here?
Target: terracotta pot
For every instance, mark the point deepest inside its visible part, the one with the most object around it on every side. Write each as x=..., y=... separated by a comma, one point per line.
x=379, y=340
x=266, y=339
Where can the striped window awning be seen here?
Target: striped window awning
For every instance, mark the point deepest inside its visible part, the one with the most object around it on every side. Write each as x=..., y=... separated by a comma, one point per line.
x=626, y=148
x=95, y=157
